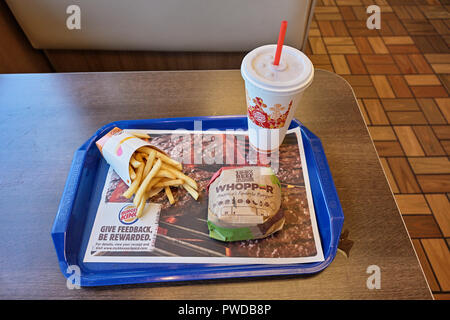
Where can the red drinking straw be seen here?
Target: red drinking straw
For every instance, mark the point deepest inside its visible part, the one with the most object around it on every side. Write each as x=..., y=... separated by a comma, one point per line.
x=283, y=28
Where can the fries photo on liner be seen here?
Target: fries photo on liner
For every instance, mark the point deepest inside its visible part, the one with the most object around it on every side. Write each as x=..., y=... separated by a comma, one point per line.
x=148, y=170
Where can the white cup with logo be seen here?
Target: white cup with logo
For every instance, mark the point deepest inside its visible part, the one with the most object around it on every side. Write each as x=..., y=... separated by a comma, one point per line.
x=273, y=93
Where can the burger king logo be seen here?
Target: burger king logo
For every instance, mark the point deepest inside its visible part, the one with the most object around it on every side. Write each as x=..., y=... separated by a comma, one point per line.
x=128, y=214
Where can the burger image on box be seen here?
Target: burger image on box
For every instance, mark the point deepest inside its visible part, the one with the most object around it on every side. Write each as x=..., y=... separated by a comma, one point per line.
x=244, y=203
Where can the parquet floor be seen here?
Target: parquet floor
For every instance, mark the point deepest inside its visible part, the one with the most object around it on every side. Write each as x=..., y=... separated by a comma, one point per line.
x=401, y=76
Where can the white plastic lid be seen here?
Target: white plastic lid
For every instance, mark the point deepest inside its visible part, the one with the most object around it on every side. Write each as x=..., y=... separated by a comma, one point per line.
x=295, y=71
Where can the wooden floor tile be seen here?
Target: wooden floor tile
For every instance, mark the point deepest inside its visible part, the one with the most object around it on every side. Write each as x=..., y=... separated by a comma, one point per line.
x=445, y=79
x=440, y=26
x=408, y=141
x=430, y=165
x=377, y=59
x=441, y=67
x=314, y=33
x=382, y=133
x=317, y=45
x=403, y=175
x=399, y=86
x=319, y=59
x=362, y=31
x=424, y=44
x=431, y=111
x=375, y=111
x=397, y=27
x=446, y=145
x=389, y=176
x=435, y=12
x=408, y=117
x=364, y=112
x=434, y=183
x=442, y=132
x=383, y=69
x=348, y=2
x=378, y=45
x=420, y=63
x=415, y=13
x=326, y=9
x=407, y=48
x=363, y=45
x=326, y=29
x=438, y=254
x=382, y=86
x=398, y=40
x=444, y=106
x=421, y=226
x=347, y=13
x=342, y=49
x=365, y=92
x=440, y=206
x=438, y=44
x=339, y=28
x=415, y=27
x=404, y=64
x=328, y=16
x=429, y=141
x=429, y=91
x=355, y=63
x=438, y=57
x=340, y=64
x=412, y=204
x=401, y=12
x=388, y=149
x=400, y=105
x=338, y=40
x=358, y=80
x=426, y=267
x=422, y=80
x=360, y=12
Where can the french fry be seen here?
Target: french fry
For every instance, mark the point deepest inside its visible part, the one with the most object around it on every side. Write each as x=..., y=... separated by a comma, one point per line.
x=145, y=182
x=151, y=171
x=140, y=207
x=169, y=195
x=153, y=192
x=163, y=157
x=134, y=162
x=153, y=182
x=165, y=174
x=132, y=173
x=168, y=183
x=139, y=156
x=181, y=176
x=149, y=163
x=191, y=191
x=169, y=160
x=135, y=184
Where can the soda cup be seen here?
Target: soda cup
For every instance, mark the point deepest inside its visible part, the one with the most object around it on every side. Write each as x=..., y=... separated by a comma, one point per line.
x=273, y=93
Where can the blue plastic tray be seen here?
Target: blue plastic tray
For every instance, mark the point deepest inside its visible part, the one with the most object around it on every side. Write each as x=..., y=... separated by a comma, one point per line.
x=81, y=195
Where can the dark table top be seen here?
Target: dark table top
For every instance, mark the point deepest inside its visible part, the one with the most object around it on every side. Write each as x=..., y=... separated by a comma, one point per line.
x=46, y=117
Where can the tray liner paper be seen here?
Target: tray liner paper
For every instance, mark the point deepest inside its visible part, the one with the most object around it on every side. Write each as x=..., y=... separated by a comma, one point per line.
x=179, y=233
